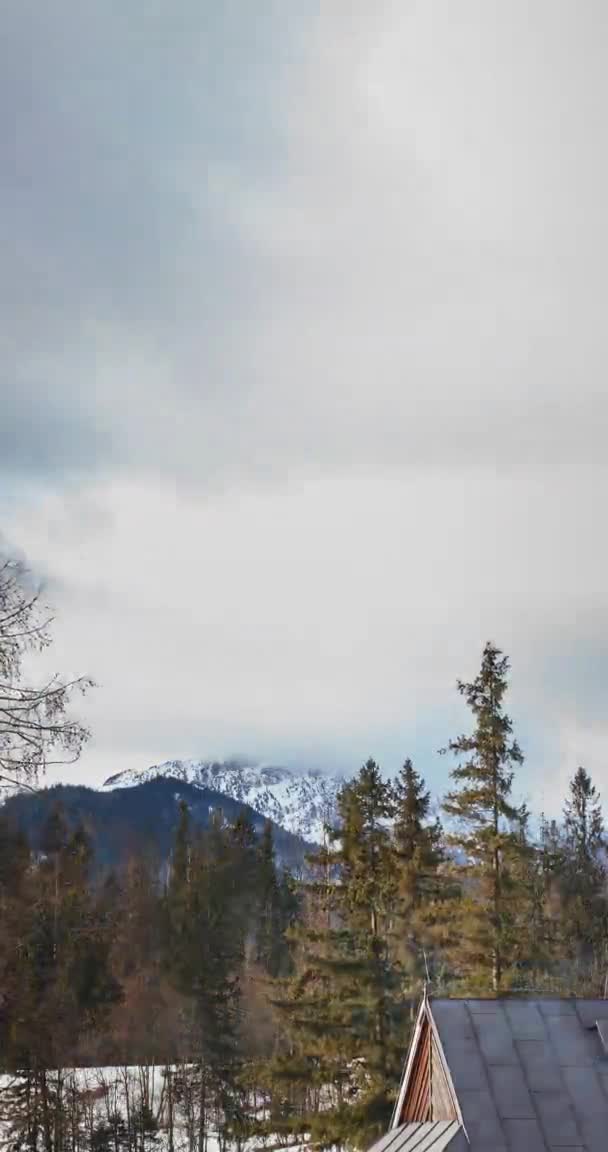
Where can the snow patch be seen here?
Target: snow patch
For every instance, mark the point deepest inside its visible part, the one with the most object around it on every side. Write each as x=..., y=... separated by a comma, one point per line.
x=301, y=802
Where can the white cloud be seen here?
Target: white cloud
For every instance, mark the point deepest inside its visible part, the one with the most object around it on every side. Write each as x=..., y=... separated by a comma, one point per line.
x=327, y=618
x=326, y=343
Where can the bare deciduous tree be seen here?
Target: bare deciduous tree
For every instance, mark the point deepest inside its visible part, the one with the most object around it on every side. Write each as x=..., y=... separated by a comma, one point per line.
x=36, y=729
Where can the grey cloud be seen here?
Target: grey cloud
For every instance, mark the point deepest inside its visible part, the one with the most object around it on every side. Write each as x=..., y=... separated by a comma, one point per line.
x=311, y=299
x=112, y=122
x=239, y=239
x=44, y=428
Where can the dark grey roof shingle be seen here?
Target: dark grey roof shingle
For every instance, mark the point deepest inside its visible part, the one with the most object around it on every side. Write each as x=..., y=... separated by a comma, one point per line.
x=530, y=1075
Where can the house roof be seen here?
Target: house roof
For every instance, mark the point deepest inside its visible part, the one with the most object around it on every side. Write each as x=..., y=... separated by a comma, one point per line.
x=529, y=1075
x=435, y=1136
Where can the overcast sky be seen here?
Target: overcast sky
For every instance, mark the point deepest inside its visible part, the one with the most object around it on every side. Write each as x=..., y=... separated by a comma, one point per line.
x=303, y=370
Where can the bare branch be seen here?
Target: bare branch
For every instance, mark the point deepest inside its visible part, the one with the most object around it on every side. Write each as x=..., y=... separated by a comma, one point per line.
x=35, y=727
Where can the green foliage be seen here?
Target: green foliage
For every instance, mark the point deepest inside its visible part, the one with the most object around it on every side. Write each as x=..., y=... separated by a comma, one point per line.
x=342, y=1011
x=276, y=908
x=487, y=826
x=285, y=1005
x=59, y=975
x=581, y=874
x=420, y=890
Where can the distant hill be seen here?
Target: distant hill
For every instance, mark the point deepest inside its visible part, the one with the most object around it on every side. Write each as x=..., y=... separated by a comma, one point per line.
x=140, y=818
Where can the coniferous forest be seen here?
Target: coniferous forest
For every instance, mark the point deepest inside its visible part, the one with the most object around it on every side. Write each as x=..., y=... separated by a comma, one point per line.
x=224, y=1000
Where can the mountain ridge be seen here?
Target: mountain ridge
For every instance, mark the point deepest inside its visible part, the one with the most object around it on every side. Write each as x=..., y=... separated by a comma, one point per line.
x=123, y=821
x=301, y=801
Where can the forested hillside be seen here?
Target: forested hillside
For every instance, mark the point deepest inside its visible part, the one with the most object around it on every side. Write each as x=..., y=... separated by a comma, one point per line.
x=138, y=821
x=299, y=992
x=278, y=1005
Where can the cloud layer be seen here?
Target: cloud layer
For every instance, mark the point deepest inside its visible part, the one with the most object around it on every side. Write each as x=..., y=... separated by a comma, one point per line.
x=303, y=369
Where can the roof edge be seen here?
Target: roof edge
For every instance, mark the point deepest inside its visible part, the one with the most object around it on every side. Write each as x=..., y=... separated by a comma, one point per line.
x=425, y=1012
x=409, y=1060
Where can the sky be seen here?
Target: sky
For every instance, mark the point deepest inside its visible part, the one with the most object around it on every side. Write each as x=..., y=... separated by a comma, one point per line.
x=302, y=371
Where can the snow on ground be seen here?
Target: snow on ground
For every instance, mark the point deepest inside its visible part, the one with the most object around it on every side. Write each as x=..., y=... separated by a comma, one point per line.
x=103, y=1091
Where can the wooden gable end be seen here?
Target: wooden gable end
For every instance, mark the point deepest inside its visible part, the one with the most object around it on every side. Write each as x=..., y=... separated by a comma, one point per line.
x=442, y=1101
x=428, y=1095
x=416, y=1107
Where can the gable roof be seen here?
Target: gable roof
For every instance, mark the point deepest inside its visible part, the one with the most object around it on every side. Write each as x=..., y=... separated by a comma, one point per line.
x=527, y=1074
x=434, y=1136
x=438, y=1080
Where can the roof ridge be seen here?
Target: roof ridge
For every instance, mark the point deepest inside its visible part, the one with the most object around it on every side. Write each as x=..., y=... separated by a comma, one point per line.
x=527, y=995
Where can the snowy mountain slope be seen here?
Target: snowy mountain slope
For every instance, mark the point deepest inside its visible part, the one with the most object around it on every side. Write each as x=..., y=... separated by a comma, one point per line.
x=300, y=802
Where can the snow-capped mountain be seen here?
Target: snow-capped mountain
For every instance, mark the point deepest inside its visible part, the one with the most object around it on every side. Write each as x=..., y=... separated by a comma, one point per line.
x=299, y=801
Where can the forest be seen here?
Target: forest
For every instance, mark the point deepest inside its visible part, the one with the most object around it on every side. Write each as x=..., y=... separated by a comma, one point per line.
x=224, y=1001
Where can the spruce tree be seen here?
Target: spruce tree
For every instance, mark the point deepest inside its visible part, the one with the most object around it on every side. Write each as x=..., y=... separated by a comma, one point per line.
x=177, y=902
x=217, y=957
x=486, y=825
x=269, y=926
x=531, y=943
x=365, y=901
x=419, y=888
x=242, y=865
x=341, y=1009
x=583, y=873
x=309, y=1069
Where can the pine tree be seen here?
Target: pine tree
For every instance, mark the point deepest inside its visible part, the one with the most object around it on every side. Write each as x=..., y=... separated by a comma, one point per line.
x=486, y=824
x=310, y=1076
x=365, y=898
x=419, y=888
x=546, y=939
x=135, y=906
x=269, y=928
x=365, y=807
x=341, y=1010
x=177, y=920
x=531, y=944
x=179, y=876
x=583, y=874
x=217, y=958
x=244, y=880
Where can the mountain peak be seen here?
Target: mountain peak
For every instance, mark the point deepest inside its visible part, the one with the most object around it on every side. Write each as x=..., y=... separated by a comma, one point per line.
x=300, y=801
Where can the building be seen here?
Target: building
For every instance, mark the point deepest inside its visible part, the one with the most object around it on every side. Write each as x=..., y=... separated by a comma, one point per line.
x=508, y=1075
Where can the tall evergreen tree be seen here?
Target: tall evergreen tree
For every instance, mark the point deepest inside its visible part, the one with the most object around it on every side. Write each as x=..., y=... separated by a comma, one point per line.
x=583, y=873
x=486, y=823
x=177, y=920
x=531, y=942
x=418, y=856
x=269, y=927
x=341, y=1009
x=243, y=869
x=550, y=902
x=365, y=899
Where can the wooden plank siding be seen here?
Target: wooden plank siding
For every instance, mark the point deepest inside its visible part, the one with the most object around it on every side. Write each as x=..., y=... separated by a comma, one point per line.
x=417, y=1104
x=428, y=1095
x=442, y=1104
